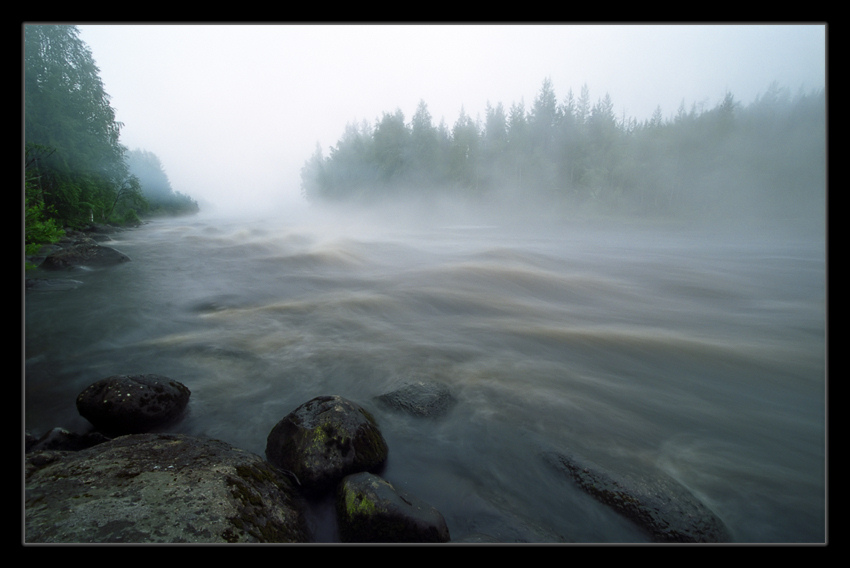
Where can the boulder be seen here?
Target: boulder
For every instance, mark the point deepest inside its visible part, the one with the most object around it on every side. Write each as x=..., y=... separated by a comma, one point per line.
x=61, y=439
x=325, y=439
x=159, y=488
x=419, y=399
x=660, y=505
x=86, y=253
x=132, y=404
x=370, y=509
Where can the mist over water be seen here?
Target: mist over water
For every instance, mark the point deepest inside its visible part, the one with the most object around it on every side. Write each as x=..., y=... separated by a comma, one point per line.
x=695, y=352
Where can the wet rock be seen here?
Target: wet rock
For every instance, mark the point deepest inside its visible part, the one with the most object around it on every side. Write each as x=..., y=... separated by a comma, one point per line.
x=132, y=404
x=159, y=488
x=325, y=439
x=60, y=439
x=370, y=509
x=657, y=503
x=86, y=253
x=419, y=399
x=52, y=284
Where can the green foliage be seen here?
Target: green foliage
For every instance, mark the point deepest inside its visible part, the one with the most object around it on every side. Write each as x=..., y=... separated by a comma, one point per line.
x=68, y=111
x=39, y=227
x=77, y=171
x=580, y=154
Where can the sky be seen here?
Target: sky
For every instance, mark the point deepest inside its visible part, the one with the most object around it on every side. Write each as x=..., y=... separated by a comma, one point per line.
x=234, y=111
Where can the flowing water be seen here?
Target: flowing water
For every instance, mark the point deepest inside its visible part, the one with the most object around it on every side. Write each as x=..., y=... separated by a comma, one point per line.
x=698, y=354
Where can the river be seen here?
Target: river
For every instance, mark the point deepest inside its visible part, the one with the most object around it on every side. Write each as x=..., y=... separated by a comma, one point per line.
x=697, y=353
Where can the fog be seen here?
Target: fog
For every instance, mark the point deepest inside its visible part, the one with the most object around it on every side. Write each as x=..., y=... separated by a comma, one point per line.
x=234, y=111
x=691, y=344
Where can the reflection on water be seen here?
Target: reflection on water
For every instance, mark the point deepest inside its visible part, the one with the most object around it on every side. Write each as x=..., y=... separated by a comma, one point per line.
x=698, y=355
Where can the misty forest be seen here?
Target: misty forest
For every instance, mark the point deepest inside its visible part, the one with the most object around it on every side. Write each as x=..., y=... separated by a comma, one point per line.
x=568, y=325
x=76, y=170
x=767, y=158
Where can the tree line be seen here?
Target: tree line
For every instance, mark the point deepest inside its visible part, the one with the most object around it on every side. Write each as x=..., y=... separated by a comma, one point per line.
x=575, y=153
x=76, y=172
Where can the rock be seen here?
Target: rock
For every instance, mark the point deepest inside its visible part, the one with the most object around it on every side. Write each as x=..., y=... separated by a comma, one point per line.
x=52, y=284
x=325, y=439
x=83, y=254
x=370, y=509
x=658, y=504
x=131, y=404
x=60, y=439
x=159, y=488
x=419, y=399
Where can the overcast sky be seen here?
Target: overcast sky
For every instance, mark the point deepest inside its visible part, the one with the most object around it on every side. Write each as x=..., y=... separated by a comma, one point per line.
x=234, y=111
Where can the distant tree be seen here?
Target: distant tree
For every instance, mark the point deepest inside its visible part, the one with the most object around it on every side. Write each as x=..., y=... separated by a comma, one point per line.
x=313, y=176
x=152, y=177
x=423, y=149
x=465, y=154
x=544, y=116
x=494, y=146
x=154, y=186
x=390, y=141
x=583, y=105
x=582, y=155
x=518, y=145
x=543, y=123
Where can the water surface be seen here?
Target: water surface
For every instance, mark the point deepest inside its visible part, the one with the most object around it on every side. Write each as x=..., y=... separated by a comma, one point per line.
x=700, y=354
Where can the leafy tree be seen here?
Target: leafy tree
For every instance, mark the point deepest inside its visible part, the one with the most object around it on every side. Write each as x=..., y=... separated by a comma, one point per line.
x=66, y=109
x=39, y=227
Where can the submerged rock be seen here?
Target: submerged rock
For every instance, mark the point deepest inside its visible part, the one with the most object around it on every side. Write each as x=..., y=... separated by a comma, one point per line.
x=657, y=503
x=52, y=284
x=132, y=404
x=159, y=488
x=419, y=399
x=370, y=509
x=325, y=439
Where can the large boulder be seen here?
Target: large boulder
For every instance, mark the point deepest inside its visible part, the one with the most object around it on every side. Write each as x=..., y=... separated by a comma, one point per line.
x=660, y=505
x=325, y=439
x=132, y=404
x=419, y=399
x=371, y=509
x=159, y=488
x=86, y=253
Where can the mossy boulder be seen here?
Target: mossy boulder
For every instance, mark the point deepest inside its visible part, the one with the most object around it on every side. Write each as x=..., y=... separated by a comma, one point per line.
x=370, y=509
x=325, y=439
x=133, y=404
x=159, y=488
